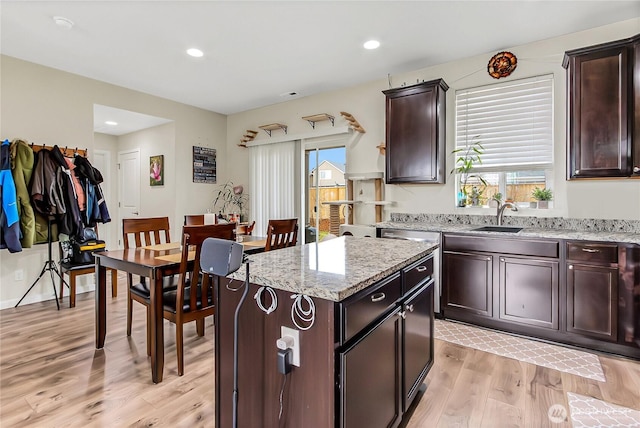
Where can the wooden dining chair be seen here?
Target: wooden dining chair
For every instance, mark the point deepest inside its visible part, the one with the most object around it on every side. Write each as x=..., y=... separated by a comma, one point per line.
x=245, y=228
x=194, y=220
x=281, y=234
x=183, y=305
x=140, y=232
x=77, y=269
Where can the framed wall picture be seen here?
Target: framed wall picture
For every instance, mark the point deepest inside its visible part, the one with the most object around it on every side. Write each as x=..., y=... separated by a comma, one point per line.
x=156, y=170
x=204, y=165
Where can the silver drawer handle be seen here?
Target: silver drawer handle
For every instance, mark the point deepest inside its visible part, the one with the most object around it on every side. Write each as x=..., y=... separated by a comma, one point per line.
x=410, y=308
x=590, y=250
x=570, y=266
x=377, y=297
x=421, y=268
x=402, y=315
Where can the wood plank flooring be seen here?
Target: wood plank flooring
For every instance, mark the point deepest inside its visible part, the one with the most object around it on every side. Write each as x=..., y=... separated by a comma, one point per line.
x=51, y=375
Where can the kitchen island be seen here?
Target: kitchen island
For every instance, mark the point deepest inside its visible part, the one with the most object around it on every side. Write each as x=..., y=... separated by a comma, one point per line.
x=363, y=310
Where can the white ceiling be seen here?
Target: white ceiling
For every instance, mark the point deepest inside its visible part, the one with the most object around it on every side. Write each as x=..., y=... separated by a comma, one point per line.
x=257, y=50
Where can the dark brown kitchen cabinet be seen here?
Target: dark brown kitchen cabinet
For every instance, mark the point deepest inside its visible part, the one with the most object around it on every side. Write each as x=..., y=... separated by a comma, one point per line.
x=417, y=341
x=592, y=290
x=385, y=347
x=529, y=291
x=502, y=282
x=601, y=113
x=370, y=373
x=636, y=108
x=415, y=133
x=468, y=282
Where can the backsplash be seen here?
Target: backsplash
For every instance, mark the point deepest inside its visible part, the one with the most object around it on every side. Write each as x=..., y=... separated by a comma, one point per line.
x=581, y=224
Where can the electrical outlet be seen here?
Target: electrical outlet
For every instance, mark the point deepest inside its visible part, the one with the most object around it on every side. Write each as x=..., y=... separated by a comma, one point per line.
x=19, y=275
x=295, y=345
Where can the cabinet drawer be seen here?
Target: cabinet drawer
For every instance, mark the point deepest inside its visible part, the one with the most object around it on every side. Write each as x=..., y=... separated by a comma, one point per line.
x=518, y=246
x=594, y=252
x=417, y=272
x=362, y=309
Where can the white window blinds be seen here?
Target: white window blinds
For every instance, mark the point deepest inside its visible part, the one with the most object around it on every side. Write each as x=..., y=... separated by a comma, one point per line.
x=512, y=120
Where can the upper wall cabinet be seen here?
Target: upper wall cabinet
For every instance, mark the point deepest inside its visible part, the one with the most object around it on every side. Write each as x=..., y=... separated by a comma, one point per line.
x=415, y=133
x=603, y=104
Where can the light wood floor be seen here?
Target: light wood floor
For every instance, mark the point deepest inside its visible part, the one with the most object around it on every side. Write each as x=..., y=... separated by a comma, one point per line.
x=51, y=375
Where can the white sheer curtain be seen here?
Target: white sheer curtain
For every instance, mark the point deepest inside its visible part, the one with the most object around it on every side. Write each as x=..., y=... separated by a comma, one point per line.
x=272, y=177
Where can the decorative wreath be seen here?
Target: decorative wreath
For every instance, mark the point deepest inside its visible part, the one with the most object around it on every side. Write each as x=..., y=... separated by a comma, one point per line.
x=502, y=64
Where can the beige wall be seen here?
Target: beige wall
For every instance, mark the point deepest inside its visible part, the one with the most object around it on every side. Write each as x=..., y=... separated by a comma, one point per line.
x=582, y=199
x=44, y=105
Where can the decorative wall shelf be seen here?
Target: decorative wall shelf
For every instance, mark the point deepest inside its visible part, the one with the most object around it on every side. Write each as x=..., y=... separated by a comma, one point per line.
x=249, y=136
x=353, y=123
x=318, y=118
x=273, y=127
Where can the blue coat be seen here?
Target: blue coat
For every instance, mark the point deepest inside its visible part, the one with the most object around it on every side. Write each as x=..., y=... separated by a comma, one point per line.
x=9, y=218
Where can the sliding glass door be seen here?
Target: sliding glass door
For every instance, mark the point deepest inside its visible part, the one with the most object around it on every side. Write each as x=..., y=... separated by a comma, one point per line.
x=325, y=184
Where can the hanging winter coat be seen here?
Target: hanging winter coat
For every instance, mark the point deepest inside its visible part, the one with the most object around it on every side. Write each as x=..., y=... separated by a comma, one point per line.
x=9, y=219
x=22, y=169
x=70, y=222
x=96, y=205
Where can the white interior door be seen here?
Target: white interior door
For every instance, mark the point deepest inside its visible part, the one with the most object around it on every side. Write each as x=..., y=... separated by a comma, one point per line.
x=129, y=187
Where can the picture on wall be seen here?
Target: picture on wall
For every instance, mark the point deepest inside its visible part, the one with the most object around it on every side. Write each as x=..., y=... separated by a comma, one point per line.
x=156, y=170
x=204, y=165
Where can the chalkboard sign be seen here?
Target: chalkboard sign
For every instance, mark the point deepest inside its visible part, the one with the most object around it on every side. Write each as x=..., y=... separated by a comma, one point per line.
x=204, y=165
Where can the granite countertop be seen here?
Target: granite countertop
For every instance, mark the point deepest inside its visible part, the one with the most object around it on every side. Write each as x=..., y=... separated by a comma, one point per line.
x=333, y=269
x=526, y=232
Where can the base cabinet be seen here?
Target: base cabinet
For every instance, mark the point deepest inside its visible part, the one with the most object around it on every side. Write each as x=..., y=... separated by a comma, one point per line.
x=417, y=341
x=529, y=291
x=468, y=282
x=502, y=282
x=386, y=362
x=592, y=290
x=369, y=373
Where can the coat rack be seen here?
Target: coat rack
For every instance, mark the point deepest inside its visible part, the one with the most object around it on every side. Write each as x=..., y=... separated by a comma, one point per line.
x=49, y=264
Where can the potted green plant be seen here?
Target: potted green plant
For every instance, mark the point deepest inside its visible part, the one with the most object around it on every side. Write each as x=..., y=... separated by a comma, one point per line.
x=543, y=196
x=495, y=200
x=467, y=158
x=228, y=196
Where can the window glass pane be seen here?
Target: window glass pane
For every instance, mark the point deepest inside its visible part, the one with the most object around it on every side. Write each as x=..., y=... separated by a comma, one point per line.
x=520, y=184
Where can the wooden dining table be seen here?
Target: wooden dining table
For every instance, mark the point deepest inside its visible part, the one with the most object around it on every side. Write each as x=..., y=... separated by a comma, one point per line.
x=153, y=262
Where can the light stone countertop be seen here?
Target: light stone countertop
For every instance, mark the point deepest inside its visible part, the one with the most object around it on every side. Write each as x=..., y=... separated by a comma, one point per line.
x=333, y=269
x=526, y=232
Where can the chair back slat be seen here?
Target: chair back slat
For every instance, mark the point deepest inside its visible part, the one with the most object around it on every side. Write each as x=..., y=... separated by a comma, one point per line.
x=281, y=234
x=200, y=284
x=145, y=231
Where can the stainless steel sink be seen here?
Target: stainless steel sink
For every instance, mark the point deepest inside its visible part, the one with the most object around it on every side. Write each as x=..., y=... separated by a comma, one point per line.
x=508, y=229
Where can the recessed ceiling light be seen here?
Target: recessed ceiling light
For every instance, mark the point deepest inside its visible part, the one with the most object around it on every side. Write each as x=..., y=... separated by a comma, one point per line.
x=371, y=44
x=111, y=123
x=196, y=53
x=63, y=22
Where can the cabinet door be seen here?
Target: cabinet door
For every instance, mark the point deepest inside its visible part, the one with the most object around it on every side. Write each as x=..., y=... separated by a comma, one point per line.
x=636, y=109
x=417, y=343
x=415, y=133
x=529, y=291
x=599, y=115
x=592, y=301
x=468, y=283
x=369, y=377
